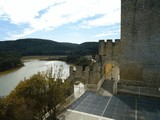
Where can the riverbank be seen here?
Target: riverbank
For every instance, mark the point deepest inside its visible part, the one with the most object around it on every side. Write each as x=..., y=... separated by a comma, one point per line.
x=45, y=58
x=10, y=70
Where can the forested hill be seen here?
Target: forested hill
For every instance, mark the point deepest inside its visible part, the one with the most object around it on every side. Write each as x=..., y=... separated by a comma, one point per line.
x=27, y=47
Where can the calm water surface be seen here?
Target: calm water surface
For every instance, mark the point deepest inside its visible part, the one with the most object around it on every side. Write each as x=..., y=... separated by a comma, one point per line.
x=9, y=80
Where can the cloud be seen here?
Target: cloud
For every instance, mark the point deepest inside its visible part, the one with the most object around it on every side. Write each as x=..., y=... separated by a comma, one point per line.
x=50, y=14
x=22, y=11
x=102, y=35
x=106, y=20
x=108, y=34
x=26, y=32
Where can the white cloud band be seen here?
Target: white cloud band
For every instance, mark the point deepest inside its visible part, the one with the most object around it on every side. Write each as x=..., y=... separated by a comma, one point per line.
x=58, y=12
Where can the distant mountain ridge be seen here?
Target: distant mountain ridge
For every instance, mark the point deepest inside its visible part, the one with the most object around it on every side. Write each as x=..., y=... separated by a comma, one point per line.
x=35, y=46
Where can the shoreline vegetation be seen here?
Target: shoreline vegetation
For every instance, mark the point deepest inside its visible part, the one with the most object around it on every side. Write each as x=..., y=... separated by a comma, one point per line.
x=25, y=58
x=44, y=57
x=10, y=70
x=9, y=62
x=78, y=60
x=73, y=60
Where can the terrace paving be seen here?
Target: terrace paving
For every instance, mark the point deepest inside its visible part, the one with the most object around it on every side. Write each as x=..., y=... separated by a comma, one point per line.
x=117, y=107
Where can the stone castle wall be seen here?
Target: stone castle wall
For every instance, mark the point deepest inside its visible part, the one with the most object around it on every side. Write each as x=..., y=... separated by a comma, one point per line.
x=140, y=28
x=137, y=54
x=87, y=76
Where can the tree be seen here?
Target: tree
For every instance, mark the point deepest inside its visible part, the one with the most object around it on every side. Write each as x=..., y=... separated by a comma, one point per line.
x=2, y=109
x=9, y=61
x=32, y=97
x=29, y=97
x=78, y=60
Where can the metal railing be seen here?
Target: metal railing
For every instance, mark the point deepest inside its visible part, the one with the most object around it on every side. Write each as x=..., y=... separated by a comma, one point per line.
x=68, y=101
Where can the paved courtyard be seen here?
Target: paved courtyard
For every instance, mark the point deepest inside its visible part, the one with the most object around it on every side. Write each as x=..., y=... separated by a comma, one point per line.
x=118, y=107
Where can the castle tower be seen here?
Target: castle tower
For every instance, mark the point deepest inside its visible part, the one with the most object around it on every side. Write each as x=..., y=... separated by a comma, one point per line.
x=101, y=47
x=140, y=31
x=140, y=41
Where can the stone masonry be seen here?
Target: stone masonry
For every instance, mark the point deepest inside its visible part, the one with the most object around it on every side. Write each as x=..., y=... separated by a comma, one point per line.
x=137, y=54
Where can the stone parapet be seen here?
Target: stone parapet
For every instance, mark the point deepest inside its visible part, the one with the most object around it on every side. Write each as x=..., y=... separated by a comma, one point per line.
x=139, y=91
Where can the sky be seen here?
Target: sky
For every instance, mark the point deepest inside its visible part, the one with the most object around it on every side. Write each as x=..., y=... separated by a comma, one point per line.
x=75, y=21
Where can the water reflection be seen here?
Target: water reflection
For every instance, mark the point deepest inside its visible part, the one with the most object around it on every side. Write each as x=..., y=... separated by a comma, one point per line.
x=8, y=81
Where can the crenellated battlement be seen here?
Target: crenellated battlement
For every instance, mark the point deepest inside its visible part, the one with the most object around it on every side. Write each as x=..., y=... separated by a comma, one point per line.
x=90, y=74
x=105, y=47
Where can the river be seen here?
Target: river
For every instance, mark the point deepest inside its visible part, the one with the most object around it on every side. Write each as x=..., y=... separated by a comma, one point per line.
x=9, y=80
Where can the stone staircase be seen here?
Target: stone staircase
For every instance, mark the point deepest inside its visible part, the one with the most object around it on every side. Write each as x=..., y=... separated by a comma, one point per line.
x=106, y=88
